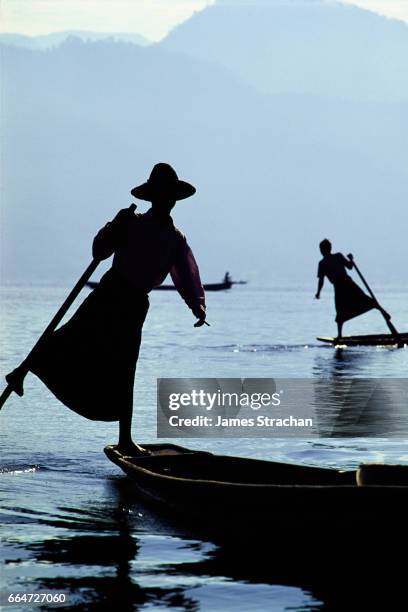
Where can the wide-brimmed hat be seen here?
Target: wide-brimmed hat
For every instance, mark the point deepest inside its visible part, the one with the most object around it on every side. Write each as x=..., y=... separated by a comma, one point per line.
x=163, y=180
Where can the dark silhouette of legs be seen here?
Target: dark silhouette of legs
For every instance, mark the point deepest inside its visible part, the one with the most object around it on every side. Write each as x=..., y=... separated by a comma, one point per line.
x=125, y=444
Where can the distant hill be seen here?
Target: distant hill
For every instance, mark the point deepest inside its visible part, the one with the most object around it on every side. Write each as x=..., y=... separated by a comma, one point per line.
x=315, y=47
x=83, y=123
x=54, y=39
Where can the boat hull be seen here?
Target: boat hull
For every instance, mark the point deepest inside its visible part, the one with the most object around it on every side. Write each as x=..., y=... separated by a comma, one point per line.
x=366, y=340
x=207, y=286
x=207, y=488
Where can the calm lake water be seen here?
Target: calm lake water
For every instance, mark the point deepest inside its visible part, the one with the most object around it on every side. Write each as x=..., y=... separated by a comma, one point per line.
x=70, y=520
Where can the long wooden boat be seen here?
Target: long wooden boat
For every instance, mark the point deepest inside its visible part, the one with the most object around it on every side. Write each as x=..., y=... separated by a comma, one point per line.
x=207, y=286
x=228, y=490
x=366, y=340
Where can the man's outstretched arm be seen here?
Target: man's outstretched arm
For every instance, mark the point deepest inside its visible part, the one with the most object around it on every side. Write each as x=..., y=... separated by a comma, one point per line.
x=319, y=287
x=186, y=278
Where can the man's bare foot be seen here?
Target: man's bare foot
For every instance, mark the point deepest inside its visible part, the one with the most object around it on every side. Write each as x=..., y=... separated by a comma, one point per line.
x=132, y=449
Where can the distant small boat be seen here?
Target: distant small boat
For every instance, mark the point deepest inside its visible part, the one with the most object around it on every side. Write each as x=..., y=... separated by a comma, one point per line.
x=251, y=493
x=225, y=284
x=207, y=286
x=367, y=340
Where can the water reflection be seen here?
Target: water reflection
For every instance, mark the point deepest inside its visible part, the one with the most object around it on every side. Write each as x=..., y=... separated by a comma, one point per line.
x=340, y=362
x=312, y=563
x=103, y=591
x=98, y=558
x=97, y=555
x=98, y=548
x=349, y=406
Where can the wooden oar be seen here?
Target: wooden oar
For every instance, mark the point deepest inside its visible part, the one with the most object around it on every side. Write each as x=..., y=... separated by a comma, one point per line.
x=17, y=376
x=387, y=319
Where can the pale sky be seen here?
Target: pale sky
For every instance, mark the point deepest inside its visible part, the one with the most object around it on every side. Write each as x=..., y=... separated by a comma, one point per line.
x=151, y=18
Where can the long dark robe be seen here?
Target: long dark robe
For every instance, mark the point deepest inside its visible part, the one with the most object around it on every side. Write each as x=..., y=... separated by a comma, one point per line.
x=89, y=363
x=350, y=300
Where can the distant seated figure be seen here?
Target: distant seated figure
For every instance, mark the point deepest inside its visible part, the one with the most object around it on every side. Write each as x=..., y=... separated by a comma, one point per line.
x=349, y=299
x=227, y=278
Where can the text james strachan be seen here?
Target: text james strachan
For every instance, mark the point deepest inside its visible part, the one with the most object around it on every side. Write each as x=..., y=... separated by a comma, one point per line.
x=219, y=421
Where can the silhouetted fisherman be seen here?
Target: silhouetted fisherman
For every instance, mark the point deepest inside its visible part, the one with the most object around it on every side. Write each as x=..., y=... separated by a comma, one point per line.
x=350, y=300
x=89, y=363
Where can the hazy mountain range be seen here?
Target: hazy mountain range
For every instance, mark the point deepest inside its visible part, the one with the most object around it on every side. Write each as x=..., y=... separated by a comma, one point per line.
x=316, y=47
x=84, y=122
x=54, y=39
